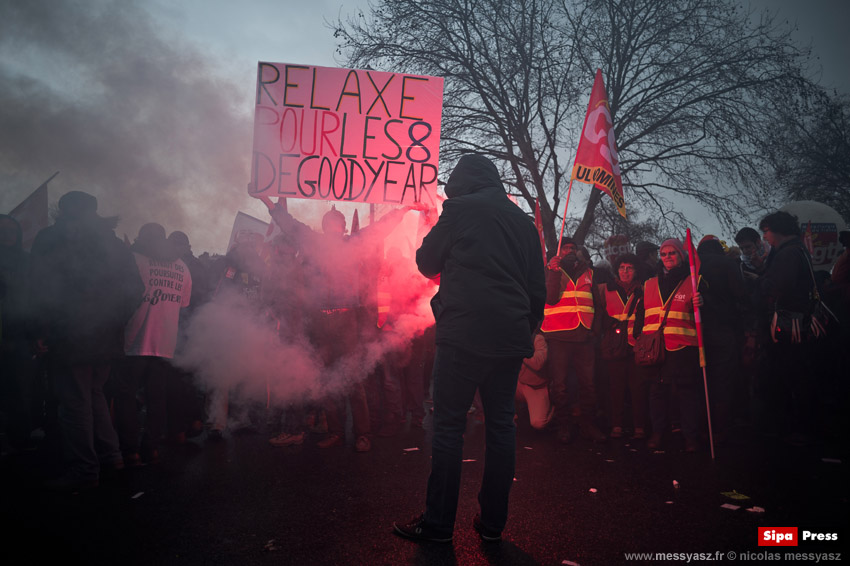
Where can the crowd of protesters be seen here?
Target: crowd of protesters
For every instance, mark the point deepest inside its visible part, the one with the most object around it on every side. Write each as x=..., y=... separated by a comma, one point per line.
x=90, y=326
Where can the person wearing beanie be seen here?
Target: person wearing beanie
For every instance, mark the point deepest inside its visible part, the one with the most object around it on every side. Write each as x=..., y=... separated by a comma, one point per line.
x=621, y=298
x=86, y=287
x=671, y=289
x=570, y=327
x=647, y=254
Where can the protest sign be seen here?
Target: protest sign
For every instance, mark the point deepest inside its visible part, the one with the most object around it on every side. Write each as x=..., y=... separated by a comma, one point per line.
x=247, y=229
x=345, y=135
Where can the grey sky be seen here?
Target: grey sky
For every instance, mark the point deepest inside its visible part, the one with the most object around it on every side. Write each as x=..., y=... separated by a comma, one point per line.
x=148, y=105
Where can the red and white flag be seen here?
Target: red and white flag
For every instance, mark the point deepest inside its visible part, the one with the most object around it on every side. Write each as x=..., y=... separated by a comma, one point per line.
x=31, y=214
x=597, y=162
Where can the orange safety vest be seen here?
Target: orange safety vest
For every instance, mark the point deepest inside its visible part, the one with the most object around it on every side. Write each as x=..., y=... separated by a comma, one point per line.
x=575, y=306
x=616, y=309
x=680, y=329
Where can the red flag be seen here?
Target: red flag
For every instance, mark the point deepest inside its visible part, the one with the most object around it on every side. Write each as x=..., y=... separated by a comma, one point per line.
x=31, y=214
x=596, y=161
x=538, y=223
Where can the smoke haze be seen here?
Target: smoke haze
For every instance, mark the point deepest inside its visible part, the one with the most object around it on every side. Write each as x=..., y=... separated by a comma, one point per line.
x=135, y=117
x=234, y=343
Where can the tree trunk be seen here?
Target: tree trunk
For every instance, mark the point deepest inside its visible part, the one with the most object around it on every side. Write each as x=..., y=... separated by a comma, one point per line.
x=584, y=226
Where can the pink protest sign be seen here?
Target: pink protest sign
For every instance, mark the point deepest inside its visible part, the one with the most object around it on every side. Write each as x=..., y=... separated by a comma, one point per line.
x=345, y=135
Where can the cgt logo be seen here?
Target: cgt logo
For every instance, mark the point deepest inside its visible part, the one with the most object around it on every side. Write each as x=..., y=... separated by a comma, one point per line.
x=778, y=536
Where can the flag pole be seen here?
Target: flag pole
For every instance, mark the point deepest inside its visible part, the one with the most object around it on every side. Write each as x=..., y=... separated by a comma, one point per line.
x=538, y=224
x=564, y=220
x=698, y=321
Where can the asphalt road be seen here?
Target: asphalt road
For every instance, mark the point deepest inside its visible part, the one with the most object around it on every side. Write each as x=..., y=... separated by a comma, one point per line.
x=242, y=501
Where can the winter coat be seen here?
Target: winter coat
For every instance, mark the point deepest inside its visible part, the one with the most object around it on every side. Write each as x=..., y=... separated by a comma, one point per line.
x=487, y=252
x=787, y=281
x=85, y=287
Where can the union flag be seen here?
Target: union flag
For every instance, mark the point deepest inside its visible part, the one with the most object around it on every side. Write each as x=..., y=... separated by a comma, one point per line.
x=597, y=162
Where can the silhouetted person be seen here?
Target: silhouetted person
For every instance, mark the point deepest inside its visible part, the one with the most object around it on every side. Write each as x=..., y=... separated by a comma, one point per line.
x=17, y=370
x=150, y=341
x=86, y=287
x=491, y=298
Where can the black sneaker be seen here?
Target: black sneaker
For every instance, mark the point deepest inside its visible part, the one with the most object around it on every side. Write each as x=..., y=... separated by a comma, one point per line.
x=487, y=535
x=416, y=530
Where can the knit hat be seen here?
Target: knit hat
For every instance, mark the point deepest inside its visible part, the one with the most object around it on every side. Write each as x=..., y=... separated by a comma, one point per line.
x=567, y=240
x=679, y=247
x=77, y=203
x=644, y=249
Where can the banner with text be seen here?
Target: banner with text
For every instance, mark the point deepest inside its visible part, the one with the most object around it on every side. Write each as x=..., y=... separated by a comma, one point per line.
x=345, y=135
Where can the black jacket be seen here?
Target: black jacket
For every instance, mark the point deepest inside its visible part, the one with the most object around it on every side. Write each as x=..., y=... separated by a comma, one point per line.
x=725, y=296
x=85, y=287
x=787, y=281
x=492, y=286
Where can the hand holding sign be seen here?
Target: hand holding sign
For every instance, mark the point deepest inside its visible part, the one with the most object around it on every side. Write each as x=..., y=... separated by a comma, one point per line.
x=346, y=135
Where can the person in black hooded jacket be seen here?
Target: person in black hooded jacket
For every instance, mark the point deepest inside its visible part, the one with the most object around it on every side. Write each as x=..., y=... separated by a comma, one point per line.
x=491, y=297
x=85, y=287
x=722, y=314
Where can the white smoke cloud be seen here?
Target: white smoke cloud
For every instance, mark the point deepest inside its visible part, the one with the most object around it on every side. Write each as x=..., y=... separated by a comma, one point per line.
x=234, y=344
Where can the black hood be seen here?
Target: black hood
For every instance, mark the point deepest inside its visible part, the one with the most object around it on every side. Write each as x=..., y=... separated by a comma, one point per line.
x=472, y=173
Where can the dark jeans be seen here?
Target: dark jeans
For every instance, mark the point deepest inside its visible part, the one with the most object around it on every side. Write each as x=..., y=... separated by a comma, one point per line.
x=457, y=375
x=790, y=392
x=679, y=377
x=335, y=335
x=623, y=373
x=722, y=351
x=151, y=373
x=89, y=439
x=577, y=356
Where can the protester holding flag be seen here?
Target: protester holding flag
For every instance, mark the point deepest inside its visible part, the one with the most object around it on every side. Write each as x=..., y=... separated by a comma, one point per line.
x=570, y=331
x=679, y=373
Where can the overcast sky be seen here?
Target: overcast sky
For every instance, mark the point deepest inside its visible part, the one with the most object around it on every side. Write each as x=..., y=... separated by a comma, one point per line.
x=148, y=105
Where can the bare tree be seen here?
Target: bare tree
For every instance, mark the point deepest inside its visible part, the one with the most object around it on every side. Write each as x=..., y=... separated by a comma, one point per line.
x=810, y=151
x=507, y=80
x=694, y=87
x=692, y=84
